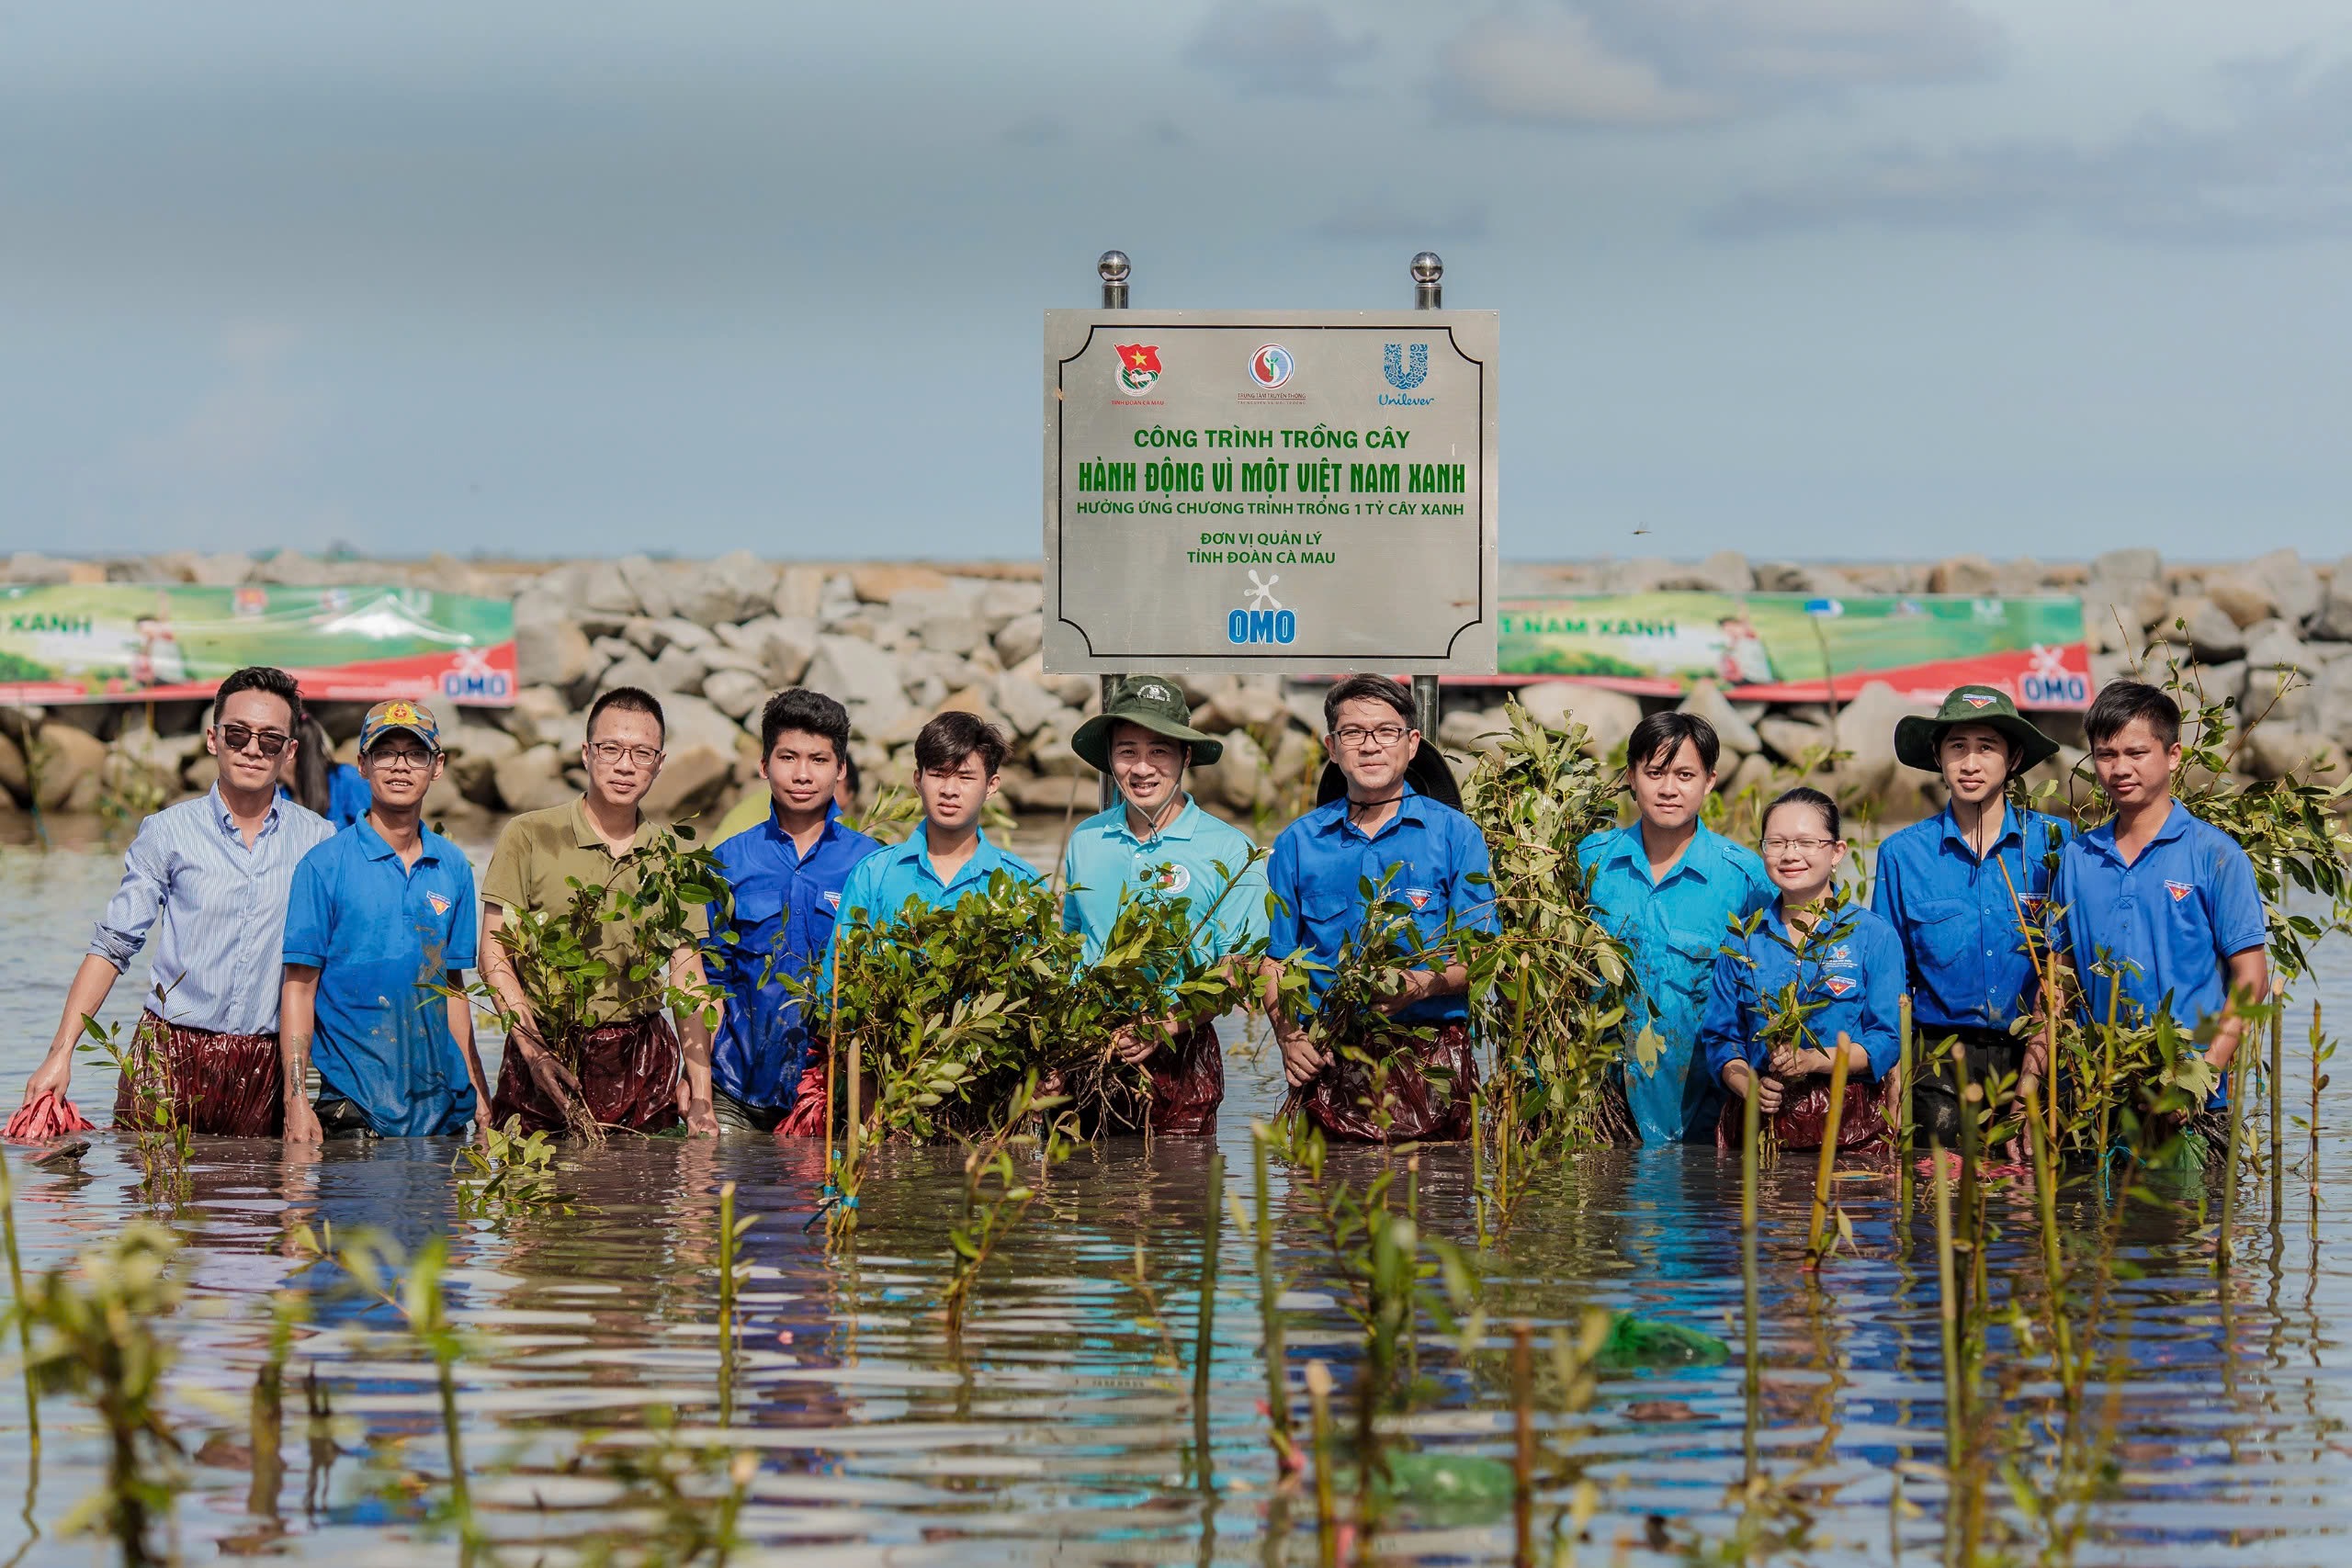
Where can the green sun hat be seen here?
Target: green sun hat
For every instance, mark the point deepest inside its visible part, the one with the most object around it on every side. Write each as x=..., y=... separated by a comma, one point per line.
x=1153, y=702
x=1918, y=740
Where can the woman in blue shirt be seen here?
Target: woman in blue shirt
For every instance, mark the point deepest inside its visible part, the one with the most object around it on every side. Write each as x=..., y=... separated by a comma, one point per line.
x=1836, y=961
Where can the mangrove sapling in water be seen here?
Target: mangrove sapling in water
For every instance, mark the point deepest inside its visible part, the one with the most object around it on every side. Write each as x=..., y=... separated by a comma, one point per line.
x=1270, y=1286
x=1550, y=987
x=655, y=895
x=159, y=1129
x=1205, y=1314
x=732, y=1273
x=996, y=1195
x=96, y=1324
x=694, y=1492
x=504, y=1173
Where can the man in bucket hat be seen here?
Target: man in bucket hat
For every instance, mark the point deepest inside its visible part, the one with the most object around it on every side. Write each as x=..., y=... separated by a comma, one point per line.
x=1159, y=843
x=1967, y=892
x=379, y=931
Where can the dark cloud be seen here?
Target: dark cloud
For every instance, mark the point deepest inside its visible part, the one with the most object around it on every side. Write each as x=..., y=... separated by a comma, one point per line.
x=1656, y=63
x=2277, y=167
x=1262, y=49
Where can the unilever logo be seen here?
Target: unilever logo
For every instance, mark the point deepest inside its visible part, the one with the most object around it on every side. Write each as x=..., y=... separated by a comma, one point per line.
x=1405, y=373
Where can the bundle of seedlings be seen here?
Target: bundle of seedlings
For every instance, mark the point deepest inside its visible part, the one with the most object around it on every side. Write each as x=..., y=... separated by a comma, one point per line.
x=1550, y=987
x=654, y=895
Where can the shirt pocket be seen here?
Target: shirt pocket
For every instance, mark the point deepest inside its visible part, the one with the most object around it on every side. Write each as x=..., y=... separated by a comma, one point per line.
x=1328, y=919
x=1689, y=962
x=1942, y=931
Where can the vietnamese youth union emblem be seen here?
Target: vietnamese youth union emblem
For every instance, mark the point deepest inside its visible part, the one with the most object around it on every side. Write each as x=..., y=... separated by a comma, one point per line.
x=1392, y=364
x=1138, y=367
x=1419, y=897
x=1836, y=984
x=1271, y=365
x=2179, y=890
x=1976, y=699
x=440, y=904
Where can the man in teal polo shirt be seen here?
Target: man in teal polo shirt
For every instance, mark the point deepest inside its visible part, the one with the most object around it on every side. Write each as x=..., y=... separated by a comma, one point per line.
x=379, y=918
x=1669, y=888
x=957, y=758
x=1158, y=843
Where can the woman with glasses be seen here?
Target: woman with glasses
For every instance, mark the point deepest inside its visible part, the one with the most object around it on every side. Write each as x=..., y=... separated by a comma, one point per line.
x=1812, y=974
x=207, y=880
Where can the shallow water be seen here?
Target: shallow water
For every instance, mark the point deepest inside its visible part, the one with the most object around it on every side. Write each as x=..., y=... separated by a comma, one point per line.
x=1065, y=1430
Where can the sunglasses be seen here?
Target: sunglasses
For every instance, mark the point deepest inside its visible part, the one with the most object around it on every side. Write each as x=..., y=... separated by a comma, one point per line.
x=238, y=737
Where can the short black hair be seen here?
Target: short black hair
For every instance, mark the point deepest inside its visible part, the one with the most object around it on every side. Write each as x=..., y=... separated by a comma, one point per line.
x=2120, y=702
x=266, y=678
x=946, y=740
x=849, y=773
x=1379, y=688
x=1658, y=737
x=1804, y=795
x=811, y=713
x=628, y=699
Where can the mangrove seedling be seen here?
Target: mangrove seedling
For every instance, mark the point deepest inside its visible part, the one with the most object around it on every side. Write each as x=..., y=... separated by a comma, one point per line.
x=506, y=1173
x=996, y=1195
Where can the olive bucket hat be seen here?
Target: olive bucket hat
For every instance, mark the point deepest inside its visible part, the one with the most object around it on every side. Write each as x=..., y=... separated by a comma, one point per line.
x=1154, y=702
x=1918, y=740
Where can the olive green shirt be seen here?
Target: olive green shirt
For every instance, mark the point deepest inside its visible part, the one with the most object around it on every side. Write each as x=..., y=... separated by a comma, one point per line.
x=538, y=852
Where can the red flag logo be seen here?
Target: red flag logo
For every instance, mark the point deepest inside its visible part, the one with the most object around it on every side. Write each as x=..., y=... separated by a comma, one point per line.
x=2179, y=890
x=1138, y=367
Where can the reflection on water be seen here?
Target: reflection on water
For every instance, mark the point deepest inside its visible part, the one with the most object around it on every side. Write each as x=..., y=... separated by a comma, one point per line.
x=1065, y=1429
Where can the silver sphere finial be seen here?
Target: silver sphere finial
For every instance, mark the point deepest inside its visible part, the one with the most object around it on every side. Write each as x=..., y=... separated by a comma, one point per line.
x=1428, y=268
x=1112, y=266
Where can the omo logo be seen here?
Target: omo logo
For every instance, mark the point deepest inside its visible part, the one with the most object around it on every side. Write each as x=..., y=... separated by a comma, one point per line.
x=2049, y=683
x=1265, y=620
x=472, y=677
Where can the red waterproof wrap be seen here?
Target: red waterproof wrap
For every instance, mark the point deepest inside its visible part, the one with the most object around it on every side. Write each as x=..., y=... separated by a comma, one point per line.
x=1339, y=1100
x=229, y=1086
x=1803, y=1116
x=44, y=1117
x=1188, y=1084
x=806, y=1119
x=628, y=1071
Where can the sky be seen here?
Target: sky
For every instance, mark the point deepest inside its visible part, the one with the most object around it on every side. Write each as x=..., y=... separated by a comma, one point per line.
x=1807, y=278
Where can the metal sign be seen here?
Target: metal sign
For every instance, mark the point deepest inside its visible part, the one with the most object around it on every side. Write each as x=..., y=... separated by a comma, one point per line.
x=1270, y=490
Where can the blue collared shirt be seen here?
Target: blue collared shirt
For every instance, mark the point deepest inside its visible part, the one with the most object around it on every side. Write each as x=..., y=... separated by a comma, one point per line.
x=2177, y=916
x=217, y=908
x=1852, y=966
x=381, y=935
x=348, y=794
x=1321, y=860
x=1196, y=860
x=783, y=909
x=1673, y=927
x=1964, y=950
x=881, y=883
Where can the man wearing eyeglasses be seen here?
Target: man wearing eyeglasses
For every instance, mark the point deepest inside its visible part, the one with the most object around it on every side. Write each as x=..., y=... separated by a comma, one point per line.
x=209, y=879
x=1427, y=857
x=630, y=1061
x=380, y=922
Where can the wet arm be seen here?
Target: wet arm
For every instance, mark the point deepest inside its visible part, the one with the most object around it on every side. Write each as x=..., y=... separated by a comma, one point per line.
x=297, y=1001
x=2249, y=976
x=88, y=993
x=693, y=1035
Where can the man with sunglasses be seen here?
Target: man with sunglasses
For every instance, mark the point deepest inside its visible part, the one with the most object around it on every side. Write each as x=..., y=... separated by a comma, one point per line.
x=1430, y=862
x=630, y=1060
x=379, y=922
x=209, y=879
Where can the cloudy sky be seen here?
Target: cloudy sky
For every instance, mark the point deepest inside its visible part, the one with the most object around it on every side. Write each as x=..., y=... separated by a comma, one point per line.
x=1805, y=277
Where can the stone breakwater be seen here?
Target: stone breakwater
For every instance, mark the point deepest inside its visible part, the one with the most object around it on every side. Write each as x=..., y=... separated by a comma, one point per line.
x=898, y=642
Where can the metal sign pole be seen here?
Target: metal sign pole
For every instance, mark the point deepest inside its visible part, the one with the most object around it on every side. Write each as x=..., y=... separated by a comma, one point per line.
x=1113, y=269
x=1429, y=293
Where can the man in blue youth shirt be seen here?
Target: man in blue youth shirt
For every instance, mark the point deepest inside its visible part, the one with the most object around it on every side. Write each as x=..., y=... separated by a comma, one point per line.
x=1158, y=843
x=379, y=918
x=1967, y=892
x=1669, y=888
x=2166, y=902
x=1428, y=855
x=958, y=759
x=785, y=874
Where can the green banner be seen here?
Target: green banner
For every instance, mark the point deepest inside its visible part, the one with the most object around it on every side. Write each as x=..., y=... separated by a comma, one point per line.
x=126, y=642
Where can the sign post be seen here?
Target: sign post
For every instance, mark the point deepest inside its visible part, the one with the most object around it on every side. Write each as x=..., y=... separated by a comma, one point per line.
x=1278, y=493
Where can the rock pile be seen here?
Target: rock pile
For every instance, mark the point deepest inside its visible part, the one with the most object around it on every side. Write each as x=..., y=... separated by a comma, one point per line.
x=898, y=642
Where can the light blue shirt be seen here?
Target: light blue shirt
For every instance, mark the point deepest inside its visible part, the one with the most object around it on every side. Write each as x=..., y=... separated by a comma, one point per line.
x=217, y=908
x=1196, y=860
x=1673, y=927
x=880, y=886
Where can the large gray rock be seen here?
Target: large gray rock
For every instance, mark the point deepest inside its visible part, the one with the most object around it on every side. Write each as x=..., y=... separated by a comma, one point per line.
x=549, y=648
x=474, y=752
x=851, y=669
x=1239, y=777
x=1001, y=603
x=2139, y=564
x=2332, y=622
x=531, y=779
x=2291, y=584
x=784, y=645
x=2273, y=645
x=799, y=592
x=692, y=721
x=651, y=583
x=631, y=669
x=1865, y=727
x=1971, y=575
x=691, y=781
x=1646, y=575
x=2213, y=633
x=2241, y=597
x=1725, y=572
x=1028, y=707
x=1018, y=637
x=738, y=694
x=604, y=590
x=735, y=587
x=1467, y=730
x=1790, y=740
x=679, y=669
x=677, y=631
x=537, y=712
x=1739, y=738
x=1608, y=717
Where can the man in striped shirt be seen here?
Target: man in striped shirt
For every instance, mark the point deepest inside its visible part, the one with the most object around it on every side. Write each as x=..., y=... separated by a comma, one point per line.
x=209, y=879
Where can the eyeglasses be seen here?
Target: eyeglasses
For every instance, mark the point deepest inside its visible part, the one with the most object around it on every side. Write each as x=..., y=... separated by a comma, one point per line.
x=1802, y=846
x=403, y=761
x=268, y=742
x=611, y=751
x=1358, y=736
